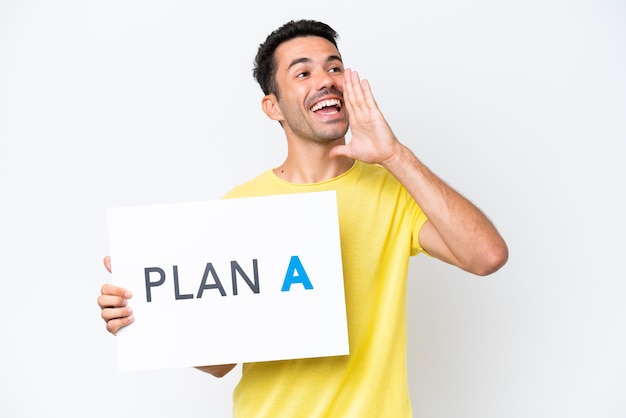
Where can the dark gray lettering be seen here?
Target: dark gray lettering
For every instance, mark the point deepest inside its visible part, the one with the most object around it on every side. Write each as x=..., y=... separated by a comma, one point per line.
x=150, y=284
x=217, y=284
x=236, y=268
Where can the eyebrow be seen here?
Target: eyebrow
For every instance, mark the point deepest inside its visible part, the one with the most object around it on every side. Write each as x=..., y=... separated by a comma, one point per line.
x=305, y=60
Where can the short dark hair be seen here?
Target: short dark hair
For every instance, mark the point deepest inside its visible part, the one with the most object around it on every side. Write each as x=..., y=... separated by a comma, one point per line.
x=264, y=70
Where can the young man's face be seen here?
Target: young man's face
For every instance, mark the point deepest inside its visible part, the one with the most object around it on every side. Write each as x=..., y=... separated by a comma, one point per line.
x=309, y=76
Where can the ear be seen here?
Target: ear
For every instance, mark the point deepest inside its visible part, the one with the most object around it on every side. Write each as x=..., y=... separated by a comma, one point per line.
x=270, y=107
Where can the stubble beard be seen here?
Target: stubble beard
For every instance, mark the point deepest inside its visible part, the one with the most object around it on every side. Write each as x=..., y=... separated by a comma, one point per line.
x=328, y=133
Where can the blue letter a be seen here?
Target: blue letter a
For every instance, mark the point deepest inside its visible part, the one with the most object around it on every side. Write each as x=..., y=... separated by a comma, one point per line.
x=291, y=277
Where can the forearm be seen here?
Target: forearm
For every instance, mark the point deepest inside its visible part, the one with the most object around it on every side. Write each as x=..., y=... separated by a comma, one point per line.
x=470, y=239
x=217, y=371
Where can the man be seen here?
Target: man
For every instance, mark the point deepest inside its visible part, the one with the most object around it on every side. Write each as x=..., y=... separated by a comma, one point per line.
x=390, y=206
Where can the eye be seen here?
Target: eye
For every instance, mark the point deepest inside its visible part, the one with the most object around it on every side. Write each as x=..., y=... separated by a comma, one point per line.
x=335, y=70
x=302, y=74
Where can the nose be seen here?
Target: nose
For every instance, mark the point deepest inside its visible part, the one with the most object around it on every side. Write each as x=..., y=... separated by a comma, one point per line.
x=326, y=80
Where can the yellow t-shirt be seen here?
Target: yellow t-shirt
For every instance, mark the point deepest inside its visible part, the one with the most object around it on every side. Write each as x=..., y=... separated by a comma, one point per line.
x=379, y=225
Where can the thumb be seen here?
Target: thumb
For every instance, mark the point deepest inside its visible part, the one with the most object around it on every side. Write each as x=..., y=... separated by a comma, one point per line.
x=339, y=150
x=107, y=263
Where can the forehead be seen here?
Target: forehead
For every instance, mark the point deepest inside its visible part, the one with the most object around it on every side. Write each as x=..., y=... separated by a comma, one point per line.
x=302, y=49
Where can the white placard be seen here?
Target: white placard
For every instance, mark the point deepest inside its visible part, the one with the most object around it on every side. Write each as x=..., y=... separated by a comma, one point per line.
x=230, y=281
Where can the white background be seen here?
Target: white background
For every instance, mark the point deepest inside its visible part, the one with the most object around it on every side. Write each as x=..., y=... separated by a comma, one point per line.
x=518, y=104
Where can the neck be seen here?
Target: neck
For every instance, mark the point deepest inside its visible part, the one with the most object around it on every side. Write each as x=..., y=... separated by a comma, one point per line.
x=308, y=162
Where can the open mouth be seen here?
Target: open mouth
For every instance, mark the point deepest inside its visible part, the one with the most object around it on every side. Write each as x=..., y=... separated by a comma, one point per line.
x=327, y=106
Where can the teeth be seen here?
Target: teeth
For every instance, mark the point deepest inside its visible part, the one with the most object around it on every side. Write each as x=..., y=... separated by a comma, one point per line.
x=326, y=103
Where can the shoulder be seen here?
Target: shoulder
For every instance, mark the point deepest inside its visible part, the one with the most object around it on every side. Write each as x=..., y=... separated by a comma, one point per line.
x=258, y=186
x=376, y=176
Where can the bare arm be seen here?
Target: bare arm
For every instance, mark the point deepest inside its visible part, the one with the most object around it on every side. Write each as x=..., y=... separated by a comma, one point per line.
x=457, y=231
x=217, y=371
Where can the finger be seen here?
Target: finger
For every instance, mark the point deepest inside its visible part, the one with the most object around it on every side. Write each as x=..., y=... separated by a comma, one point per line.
x=110, y=314
x=339, y=150
x=356, y=87
x=109, y=289
x=347, y=93
x=107, y=263
x=109, y=301
x=114, y=325
x=353, y=86
x=368, y=95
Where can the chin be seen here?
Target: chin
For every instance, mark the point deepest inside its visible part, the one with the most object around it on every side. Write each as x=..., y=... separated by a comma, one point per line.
x=331, y=135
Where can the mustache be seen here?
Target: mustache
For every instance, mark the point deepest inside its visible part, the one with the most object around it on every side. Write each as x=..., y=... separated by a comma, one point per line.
x=325, y=92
